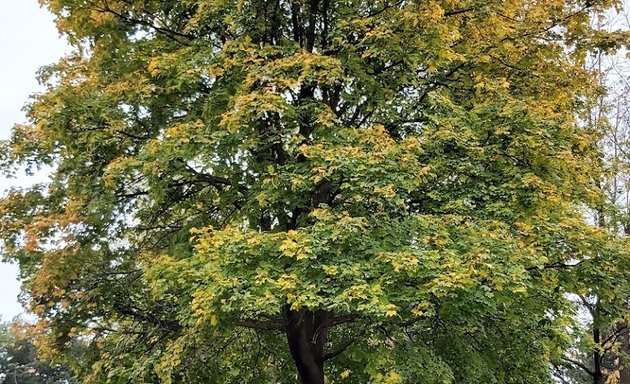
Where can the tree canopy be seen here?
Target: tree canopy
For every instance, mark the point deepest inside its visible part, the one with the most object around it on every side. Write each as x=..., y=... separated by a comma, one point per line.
x=254, y=191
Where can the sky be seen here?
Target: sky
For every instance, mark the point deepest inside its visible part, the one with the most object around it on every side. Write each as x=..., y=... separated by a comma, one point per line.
x=28, y=40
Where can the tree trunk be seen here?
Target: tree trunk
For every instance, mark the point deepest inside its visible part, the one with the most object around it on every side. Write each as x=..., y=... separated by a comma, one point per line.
x=598, y=374
x=624, y=360
x=307, y=332
x=624, y=375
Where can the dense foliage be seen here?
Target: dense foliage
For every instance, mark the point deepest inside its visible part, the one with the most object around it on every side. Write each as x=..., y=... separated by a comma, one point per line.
x=341, y=191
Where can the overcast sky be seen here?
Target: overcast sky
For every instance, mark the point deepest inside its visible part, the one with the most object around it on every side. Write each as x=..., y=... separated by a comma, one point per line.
x=28, y=40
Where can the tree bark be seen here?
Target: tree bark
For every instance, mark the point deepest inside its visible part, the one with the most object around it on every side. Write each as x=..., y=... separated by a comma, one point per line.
x=307, y=333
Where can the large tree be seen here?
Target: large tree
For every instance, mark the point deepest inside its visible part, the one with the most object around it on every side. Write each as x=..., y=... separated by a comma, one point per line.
x=334, y=191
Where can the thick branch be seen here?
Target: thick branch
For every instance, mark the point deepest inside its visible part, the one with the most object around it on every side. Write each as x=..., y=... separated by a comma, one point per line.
x=579, y=364
x=312, y=21
x=261, y=325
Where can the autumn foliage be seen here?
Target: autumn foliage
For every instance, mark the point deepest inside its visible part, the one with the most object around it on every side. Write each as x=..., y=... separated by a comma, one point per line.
x=265, y=191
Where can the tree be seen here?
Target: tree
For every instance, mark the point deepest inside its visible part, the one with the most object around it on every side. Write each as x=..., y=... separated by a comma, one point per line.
x=601, y=354
x=19, y=363
x=358, y=191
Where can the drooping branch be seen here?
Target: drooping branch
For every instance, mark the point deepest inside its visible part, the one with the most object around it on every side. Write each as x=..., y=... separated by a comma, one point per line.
x=172, y=34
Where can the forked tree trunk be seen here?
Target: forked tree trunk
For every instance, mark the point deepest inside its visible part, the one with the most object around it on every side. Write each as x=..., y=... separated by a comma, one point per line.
x=307, y=332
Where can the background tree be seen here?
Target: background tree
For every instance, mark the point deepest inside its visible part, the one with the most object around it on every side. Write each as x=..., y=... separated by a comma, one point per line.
x=19, y=362
x=601, y=351
x=357, y=191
